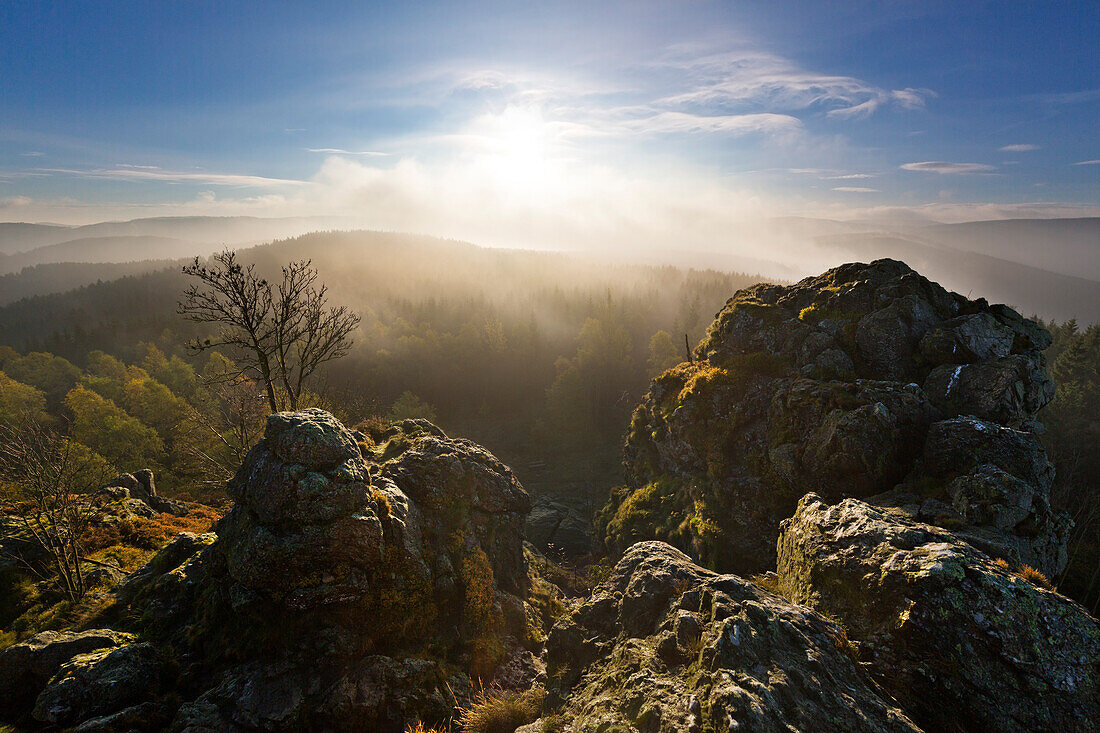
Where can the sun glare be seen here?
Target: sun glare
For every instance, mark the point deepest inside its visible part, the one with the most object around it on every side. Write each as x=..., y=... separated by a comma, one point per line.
x=517, y=150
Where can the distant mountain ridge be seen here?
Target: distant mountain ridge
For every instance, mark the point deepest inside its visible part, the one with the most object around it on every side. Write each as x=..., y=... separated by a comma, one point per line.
x=1045, y=267
x=1034, y=291
x=114, y=249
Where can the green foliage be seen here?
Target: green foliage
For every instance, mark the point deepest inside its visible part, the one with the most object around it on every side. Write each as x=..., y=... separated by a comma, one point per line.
x=19, y=401
x=651, y=512
x=51, y=374
x=663, y=353
x=410, y=407
x=107, y=429
x=1071, y=439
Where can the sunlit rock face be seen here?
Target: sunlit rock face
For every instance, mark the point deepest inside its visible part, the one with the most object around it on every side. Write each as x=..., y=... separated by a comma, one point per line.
x=957, y=639
x=868, y=381
x=665, y=645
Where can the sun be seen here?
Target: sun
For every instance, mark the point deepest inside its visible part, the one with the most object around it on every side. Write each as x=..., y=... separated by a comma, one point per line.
x=518, y=150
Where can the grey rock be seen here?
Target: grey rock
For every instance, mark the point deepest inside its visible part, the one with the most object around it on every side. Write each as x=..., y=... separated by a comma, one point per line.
x=967, y=339
x=758, y=662
x=839, y=385
x=26, y=667
x=99, y=683
x=558, y=529
x=312, y=438
x=959, y=641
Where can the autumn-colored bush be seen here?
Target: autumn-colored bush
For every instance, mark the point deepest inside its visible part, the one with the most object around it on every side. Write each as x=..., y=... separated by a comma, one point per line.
x=154, y=533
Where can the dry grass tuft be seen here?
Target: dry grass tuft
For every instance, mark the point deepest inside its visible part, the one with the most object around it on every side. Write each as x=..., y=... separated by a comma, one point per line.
x=1028, y=573
x=500, y=711
x=421, y=728
x=1034, y=576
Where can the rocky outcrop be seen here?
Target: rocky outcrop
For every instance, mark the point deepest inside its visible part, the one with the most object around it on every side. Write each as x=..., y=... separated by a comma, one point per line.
x=364, y=577
x=960, y=641
x=665, y=645
x=359, y=583
x=864, y=381
x=103, y=682
x=558, y=530
x=137, y=492
x=25, y=668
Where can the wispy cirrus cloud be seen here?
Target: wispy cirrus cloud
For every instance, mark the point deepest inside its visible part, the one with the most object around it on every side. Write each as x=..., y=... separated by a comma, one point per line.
x=1018, y=148
x=947, y=168
x=855, y=189
x=341, y=151
x=681, y=122
x=749, y=80
x=1088, y=162
x=152, y=173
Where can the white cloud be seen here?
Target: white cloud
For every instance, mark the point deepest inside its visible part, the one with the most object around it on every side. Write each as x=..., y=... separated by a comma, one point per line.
x=756, y=79
x=340, y=151
x=1019, y=148
x=152, y=173
x=680, y=122
x=1088, y=162
x=849, y=176
x=855, y=189
x=945, y=167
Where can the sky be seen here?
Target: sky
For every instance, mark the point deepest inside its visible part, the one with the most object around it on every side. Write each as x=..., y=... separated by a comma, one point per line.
x=543, y=124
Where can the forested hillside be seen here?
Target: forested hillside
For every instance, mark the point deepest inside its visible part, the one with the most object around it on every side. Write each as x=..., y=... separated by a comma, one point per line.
x=540, y=356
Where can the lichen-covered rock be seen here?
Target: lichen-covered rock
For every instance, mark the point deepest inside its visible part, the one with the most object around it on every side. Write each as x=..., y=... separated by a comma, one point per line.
x=137, y=493
x=847, y=385
x=356, y=576
x=165, y=587
x=665, y=645
x=960, y=642
x=26, y=667
x=990, y=485
x=106, y=681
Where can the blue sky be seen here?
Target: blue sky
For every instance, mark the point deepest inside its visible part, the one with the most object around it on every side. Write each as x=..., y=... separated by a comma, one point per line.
x=540, y=122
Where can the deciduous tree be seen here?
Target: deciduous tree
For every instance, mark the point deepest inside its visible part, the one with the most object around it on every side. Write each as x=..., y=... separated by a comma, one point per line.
x=280, y=333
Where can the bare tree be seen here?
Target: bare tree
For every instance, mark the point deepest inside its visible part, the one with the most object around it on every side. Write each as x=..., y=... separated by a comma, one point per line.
x=50, y=483
x=282, y=332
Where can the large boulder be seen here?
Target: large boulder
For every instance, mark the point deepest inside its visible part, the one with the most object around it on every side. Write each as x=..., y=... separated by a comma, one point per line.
x=354, y=578
x=360, y=582
x=961, y=641
x=26, y=667
x=137, y=492
x=99, y=683
x=665, y=645
x=850, y=384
